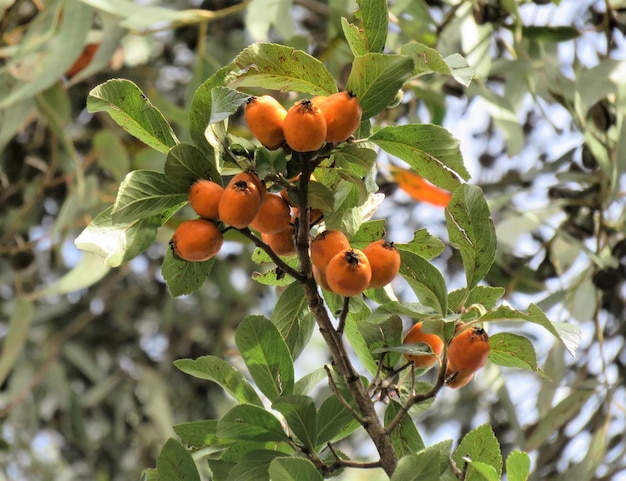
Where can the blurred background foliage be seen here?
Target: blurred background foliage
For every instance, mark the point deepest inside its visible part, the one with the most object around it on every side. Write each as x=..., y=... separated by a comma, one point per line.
x=87, y=386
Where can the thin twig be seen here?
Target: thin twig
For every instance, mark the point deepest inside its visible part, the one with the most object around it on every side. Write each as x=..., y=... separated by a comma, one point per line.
x=340, y=462
x=342, y=400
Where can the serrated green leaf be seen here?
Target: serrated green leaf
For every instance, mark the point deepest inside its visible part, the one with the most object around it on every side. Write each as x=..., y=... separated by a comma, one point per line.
x=301, y=417
x=186, y=163
x=293, y=469
x=368, y=232
x=423, y=244
x=116, y=242
x=266, y=355
x=429, y=149
x=16, y=335
x=405, y=438
x=425, y=280
x=184, y=277
x=486, y=472
x=146, y=193
x=425, y=59
x=376, y=78
x=374, y=16
x=320, y=197
x=421, y=466
x=291, y=317
x=247, y=422
x=225, y=102
x=358, y=160
x=278, y=67
x=355, y=37
x=334, y=421
x=517, y=466
x=131, y=110
x=512, y=350
x=382, y=333
x=254, y=466
x=486, y=296
x=480, y=445
x=219, y=371
x=176, y=464
x=472, y=232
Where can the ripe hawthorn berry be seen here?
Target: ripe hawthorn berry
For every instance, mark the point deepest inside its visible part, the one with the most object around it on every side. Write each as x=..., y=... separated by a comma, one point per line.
x=273, y=215
x=342, y=112
x=304, y=127
x=348, y=273
x=468, y=351
x=385, y=262
x=325, y=246
x=196, y=240
x=264, y=116
x=283, y=242
x=416, y=335
x=204, y=197
x=240, y=201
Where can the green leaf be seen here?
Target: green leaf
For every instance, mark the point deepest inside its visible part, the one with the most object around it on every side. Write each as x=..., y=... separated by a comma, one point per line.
x=198, y=434
x=460, y=69
x=176, y=464
x=146, y=193
x=546, y=33
x=512, y=350
x=149, y=475
x=472, y=232
x=88, y=271
x=486, y=296
x=425, y=280
x=357, y=159
x=292, y=318
x=375, y=79
x=517, y=466
x=568, y=334
x=557, y=417
x=266, y=355
x=247, y=422
x=374, y=17
x=356, y=340
x=278, y=67
x=423, y=244
x=202, y=108
x=355, y=37
x=405, y=438
x=334, y=421
x=429, y=149
x=320, y=197
x=382, y=332
x=221, y=372
x=421, y=466
x=301, y=417
x=254, y=466
x=118, y=242
x=185, y=164
x=184, y=277
x=131, y=110
x=16, y=335
x=428, y=60
x=480, y=445
x=263, y=15
x=293, y=469
x=225, y=102
x=368, y=232
x=308, y=382
x=486, y=472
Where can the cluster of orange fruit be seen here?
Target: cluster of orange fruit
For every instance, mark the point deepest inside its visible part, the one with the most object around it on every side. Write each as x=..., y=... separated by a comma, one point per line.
x=307, y=125
x=346, y=271
x=467, y=352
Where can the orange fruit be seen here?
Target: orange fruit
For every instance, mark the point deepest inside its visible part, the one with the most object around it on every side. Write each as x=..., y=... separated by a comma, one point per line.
x=458, y=380
x=468, y=351
x=273, y=215
x=385, y=262
x=196, y=240
x=320, y=278
x=240, y=201
x=264, y=116
x=304, y=127
x=325, y=246
x=342, y=112
x=416, y=335
x=283, y=242
x=348, y=273
x=204, y=197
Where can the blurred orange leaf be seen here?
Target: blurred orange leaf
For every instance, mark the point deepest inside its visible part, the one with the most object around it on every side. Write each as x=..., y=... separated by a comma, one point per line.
x=418, y=187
